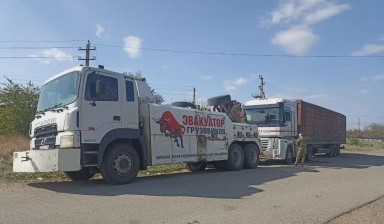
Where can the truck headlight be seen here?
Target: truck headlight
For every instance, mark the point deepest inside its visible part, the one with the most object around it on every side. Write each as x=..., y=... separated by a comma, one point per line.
x=69, y=141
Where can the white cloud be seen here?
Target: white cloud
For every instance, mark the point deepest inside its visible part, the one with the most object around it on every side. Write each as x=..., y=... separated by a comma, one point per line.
x=56, y=54
x=100, y=31
x=230, y=88
x=325, y=13
x=296, y=40
x=132, y=46
x=304, y=11
x=232, y=85
x=207, y=77
x=46, y=56
x=241, y=81
x=369, y=49
x=285, y=12
x=301, y=15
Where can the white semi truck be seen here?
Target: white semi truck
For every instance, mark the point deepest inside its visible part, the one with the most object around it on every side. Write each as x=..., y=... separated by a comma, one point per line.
x=281, y=120
x=91, y=120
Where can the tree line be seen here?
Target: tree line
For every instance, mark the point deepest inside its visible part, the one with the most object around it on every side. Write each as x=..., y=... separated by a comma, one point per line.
x=372, y=131
x=18, y=104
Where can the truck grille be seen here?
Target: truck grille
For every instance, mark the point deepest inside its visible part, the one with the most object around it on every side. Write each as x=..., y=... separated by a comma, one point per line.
x=264, y=144
x=45, y=136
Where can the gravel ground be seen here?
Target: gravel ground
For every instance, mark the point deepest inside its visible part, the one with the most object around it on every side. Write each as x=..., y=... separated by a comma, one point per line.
x=370, y=213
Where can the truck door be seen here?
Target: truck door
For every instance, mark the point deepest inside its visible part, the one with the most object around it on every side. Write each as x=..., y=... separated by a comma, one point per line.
x=101, y=107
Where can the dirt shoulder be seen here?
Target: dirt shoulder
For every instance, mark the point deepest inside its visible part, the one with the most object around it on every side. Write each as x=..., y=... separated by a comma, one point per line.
x=369, y=213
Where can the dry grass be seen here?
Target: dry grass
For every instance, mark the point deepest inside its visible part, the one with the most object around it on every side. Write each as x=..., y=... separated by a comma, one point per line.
x=12, y=143
x=364, y=146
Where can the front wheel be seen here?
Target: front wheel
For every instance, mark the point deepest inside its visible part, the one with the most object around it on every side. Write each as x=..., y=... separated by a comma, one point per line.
x=235, y=157
x=288, y=156
x=120, y=164
x=85, y=173
x=251, y=156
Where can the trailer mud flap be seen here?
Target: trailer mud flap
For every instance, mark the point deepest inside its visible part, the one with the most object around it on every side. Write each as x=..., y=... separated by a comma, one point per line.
x=52, y=160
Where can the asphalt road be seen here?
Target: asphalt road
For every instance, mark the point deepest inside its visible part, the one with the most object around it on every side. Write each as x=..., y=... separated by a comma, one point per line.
x=273, y=193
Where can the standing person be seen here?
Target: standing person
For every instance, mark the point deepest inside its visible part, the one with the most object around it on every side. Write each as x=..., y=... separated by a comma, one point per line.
x=302, y=144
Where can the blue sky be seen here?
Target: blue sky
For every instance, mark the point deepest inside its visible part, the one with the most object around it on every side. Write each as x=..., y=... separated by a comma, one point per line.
x=269, y=31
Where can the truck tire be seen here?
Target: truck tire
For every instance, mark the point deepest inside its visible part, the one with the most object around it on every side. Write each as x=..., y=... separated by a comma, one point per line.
x=289, y=156
x=331, y=152
x=121, y=164
x=218, y=100
x=196, y=167
x=85, y=173
x=251, y=156
x=184, y=104
x=309, y=155
x=235, y=158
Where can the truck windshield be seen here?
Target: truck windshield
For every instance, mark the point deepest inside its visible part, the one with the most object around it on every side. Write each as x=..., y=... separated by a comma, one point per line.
x=264, y=117
x=59, y=92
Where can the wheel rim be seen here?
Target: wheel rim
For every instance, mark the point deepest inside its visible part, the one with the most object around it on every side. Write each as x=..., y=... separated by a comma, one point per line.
x=122, y=164
x=289, y=156
x=252, y=156
x=236, y=158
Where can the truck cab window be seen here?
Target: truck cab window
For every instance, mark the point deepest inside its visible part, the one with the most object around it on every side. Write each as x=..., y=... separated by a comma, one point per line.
x=101, y=88
x=287, y=116
x=130, y=94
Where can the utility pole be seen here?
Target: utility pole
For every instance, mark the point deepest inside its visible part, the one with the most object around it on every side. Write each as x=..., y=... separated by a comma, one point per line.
x=194, y=95
x=261, y=94
x=87, y=50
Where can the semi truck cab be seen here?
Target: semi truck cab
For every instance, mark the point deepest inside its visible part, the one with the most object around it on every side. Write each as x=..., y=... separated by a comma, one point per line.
x=276, y=119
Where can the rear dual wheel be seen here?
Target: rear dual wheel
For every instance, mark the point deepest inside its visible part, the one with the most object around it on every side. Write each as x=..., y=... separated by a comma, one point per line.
x=239, y=158
x=251, y=156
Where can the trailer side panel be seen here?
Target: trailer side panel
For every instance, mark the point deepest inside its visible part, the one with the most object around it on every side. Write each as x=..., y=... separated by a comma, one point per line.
x=320, y=125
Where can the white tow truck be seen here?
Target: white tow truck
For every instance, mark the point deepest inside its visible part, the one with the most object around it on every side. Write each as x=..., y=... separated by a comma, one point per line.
x=91, y=120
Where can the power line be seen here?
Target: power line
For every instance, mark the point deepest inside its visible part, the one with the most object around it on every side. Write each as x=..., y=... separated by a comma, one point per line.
x=29, y=57
x=34, y=48
x=40, y=41
x=242, y=54
x=174, y=51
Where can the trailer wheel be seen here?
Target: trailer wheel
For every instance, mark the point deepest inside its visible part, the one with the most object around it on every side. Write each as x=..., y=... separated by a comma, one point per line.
x=120, y=164
x=251, y=156
x=331, y=153
x=184, y=104
x=337, y=150
x=235, y=157
x=218, y=100
x=85, y=173
x=196, y=167
x=309, y=155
